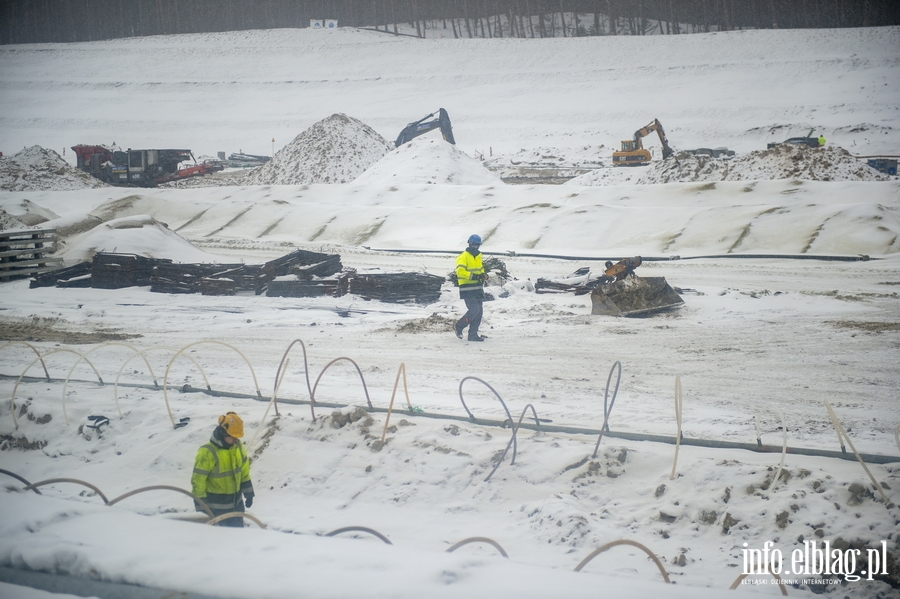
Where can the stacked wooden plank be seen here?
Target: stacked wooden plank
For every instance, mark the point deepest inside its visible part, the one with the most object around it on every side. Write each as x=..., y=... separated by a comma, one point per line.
x=245, y=277
x=217, y=286
x=398, y=288
x=306, y=274
x=78, y=275
x=115, y=271
x=24, y=252
x=285, y=264
x=183, y=278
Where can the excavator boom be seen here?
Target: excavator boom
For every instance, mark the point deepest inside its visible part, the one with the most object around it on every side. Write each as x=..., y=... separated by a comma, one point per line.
x=435, y=120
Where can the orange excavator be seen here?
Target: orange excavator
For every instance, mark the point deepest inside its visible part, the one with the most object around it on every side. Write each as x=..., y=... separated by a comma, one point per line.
x=633, y=152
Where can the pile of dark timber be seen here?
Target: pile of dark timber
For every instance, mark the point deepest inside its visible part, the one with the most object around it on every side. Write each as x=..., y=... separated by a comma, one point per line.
x=183, y=278
x=78, y=275
x=399, y=288
x=114, y=271
x=306, y=274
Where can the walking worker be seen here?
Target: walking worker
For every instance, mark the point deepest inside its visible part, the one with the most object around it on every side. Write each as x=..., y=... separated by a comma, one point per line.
x=470, y=274
x=821, y=140
x=222, y=471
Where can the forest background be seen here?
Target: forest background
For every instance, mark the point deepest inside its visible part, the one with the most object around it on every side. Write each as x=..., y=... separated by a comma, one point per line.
x=42, y=21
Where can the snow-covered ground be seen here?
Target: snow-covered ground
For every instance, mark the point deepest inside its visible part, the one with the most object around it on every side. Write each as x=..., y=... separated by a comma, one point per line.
x=757, y=339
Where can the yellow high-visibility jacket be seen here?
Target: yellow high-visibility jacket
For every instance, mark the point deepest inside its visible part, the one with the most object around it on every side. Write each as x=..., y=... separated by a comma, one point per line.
x=220, y=475
x=467, y=265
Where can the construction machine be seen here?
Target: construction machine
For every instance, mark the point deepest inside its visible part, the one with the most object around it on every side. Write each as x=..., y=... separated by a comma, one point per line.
x=139, y=168
x=633, y=152
x=435, y=120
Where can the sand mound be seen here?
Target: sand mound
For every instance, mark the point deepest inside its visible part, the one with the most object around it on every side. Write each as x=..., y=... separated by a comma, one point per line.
x=431, y=161
x=334, y=150
x=786, y=161
x=39, y=169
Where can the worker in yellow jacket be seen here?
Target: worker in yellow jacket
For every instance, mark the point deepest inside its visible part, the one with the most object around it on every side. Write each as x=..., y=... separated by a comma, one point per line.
x=470, y=275
x=222, y=471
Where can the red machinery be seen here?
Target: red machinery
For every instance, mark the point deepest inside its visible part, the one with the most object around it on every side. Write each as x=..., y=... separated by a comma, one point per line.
x=139, y=168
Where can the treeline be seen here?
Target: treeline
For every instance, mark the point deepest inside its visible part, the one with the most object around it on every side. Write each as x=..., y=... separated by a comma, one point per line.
x=32, y=21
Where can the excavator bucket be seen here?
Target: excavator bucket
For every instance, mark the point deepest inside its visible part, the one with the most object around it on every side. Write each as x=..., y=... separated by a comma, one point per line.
x=634, y=296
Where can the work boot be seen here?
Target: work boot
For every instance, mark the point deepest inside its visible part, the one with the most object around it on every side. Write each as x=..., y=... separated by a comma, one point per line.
x=477, y=338
x=459, y=330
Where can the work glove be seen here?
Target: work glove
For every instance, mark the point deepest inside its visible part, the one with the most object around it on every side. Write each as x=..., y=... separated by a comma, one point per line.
x=198, y=507
x=478, y=278
x=248, y=500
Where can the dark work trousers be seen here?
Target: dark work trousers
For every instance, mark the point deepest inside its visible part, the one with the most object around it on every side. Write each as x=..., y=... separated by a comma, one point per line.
x=475, y=309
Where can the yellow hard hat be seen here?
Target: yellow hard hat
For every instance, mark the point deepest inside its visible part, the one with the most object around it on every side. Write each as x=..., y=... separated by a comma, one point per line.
x=232, y=424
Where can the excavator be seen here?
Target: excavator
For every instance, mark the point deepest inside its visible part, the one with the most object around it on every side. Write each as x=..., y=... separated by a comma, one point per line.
x=633, y=152
x=435, y=120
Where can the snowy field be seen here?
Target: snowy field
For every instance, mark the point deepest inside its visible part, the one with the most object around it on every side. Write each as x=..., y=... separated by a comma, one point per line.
x=781, y=315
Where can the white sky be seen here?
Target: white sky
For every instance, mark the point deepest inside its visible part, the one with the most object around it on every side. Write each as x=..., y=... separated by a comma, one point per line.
x=756, y=336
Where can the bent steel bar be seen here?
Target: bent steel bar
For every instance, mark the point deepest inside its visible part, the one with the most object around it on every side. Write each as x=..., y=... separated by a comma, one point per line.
x=182, y=350
x=783, y=438
x=51, y=481
x=505, y=409
x=678, y=422
x=36, y=352
x=537, y=424
x=495, y=544
x=359, y=529
x=607, y=412
x=387, y=420
x=199, y=501
x=283, y=363
x=245, y=515
x=841, y=431
x=312, y=397
x=19, y=478
x=612, y=544
x=12, y=399
x=116, y=390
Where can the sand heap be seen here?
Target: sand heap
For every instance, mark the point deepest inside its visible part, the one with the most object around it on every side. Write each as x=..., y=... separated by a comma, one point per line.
x=39, y=169
x=429, y=160
x=785, y=161
x=334, y=150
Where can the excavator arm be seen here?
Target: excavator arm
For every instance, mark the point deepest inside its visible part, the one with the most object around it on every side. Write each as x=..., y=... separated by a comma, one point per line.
x=645, y=131
x=633, y=152
x=435, y=120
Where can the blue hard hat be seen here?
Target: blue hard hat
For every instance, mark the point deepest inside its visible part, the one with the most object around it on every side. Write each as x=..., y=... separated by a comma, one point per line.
x=474, y=240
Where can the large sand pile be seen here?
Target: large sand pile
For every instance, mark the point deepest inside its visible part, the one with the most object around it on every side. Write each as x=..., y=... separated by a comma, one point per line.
x=429, y=160
x=334, y=150
x=40, y=169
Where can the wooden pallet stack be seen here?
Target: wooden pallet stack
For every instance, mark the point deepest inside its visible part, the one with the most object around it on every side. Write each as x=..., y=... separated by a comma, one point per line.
x=78, y=275
x=183, y=278
x=115, y=271
x=398, y=288
x=25, y=252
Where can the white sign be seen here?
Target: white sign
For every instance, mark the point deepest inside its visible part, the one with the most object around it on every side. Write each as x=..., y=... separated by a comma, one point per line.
x=315, y=24
x=330, y=23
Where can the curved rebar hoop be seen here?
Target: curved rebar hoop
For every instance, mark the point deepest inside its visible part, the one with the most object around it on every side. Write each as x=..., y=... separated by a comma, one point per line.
x=19, y=478
x=34, y=349
x=738, y=580
x=612, y=544
x=502, y=403
x=678, y=422
x=245, y=515
x=841, y=431
x=199, y=501
x=495, y=544
x=12, y=399
x=119, y=343
x=279, y=376
x=312, y=396
x=515, y=431
x=607, y=412
x=51, y=481
x=837, y=429
x=615, y=392
x=133, y=356
x=778, y=411
x=182, y=350
x=284, y=361
x=359, y=529
x=387, y=420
